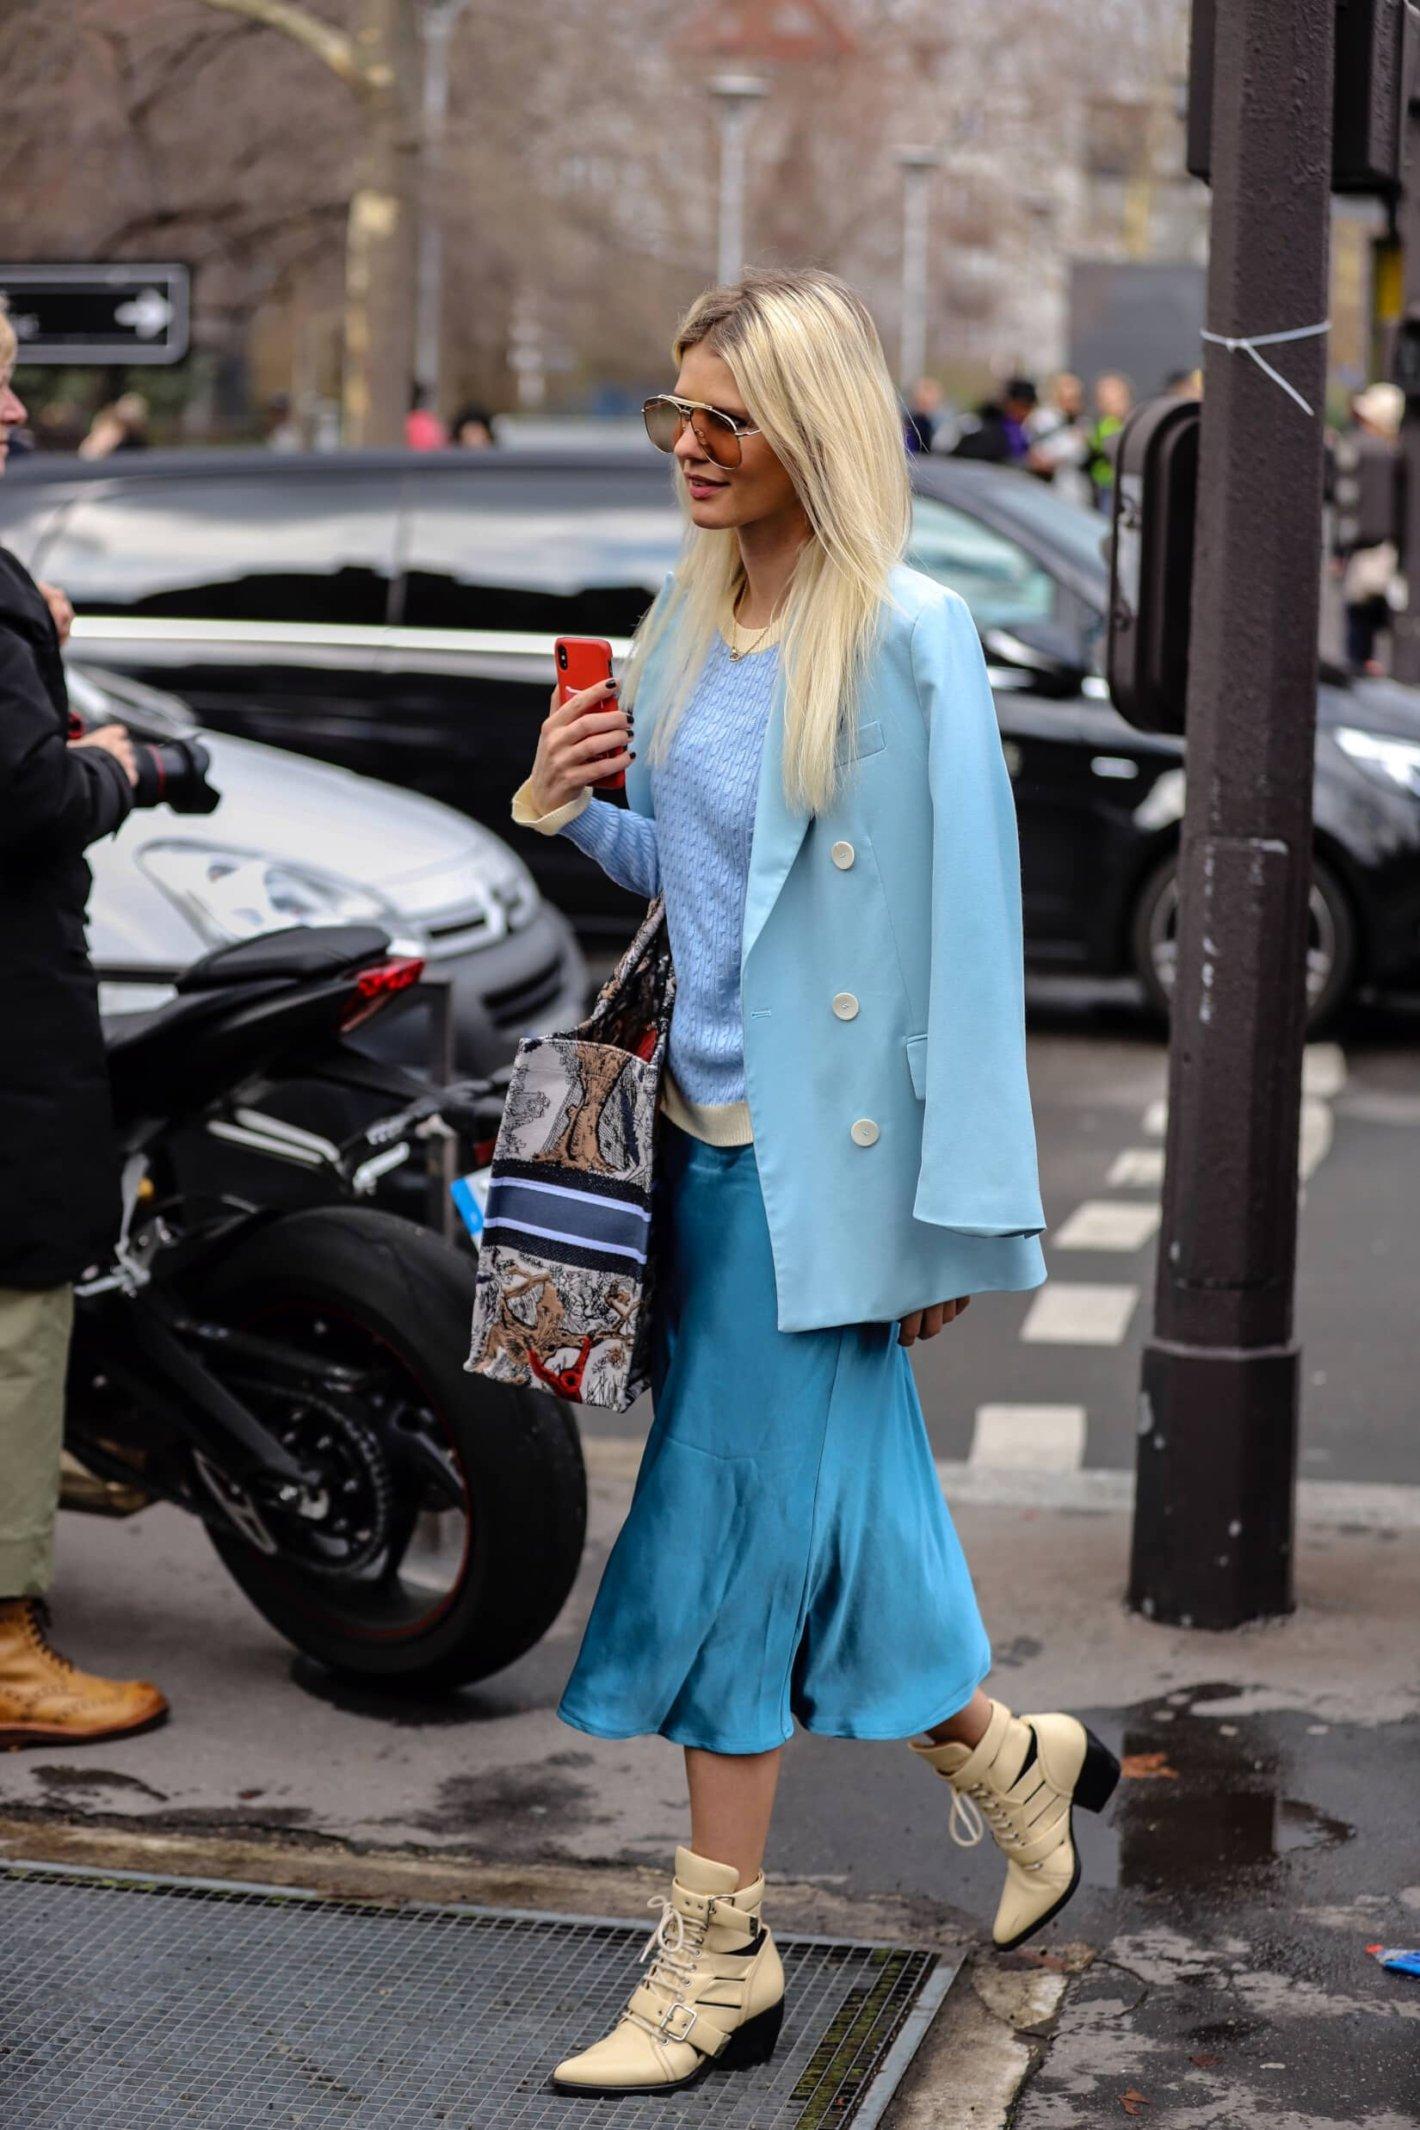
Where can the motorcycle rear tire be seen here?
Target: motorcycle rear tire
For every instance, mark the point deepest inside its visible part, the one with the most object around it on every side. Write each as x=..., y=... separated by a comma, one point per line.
x=520, y=1450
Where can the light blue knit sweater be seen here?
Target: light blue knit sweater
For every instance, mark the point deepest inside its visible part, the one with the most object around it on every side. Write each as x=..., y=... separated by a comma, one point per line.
x=696, y=851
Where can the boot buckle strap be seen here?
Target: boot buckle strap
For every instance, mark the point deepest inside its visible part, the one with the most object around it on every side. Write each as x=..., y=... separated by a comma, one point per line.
x=667, y=2023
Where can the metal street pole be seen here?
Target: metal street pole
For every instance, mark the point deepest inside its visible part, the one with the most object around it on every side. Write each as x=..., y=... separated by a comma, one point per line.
x=917, y=165
x=735, y=94
x=439, y=17
x=1405, y=634
x=1212, y=1541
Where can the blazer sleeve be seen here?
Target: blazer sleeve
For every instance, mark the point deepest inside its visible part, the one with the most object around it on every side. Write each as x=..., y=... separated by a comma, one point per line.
x=51, y=794
x=979, y=1169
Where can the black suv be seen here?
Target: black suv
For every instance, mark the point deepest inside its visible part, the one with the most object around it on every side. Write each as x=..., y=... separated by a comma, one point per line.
x=395, y=613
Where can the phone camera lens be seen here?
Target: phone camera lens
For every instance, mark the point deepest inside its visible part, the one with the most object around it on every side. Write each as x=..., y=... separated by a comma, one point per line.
x=562, y=655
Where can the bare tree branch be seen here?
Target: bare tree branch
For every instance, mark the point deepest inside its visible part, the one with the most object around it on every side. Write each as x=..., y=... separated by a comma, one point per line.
x=332, y=47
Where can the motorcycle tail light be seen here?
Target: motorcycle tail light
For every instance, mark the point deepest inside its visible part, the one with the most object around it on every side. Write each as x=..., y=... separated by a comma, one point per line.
x=375, y=987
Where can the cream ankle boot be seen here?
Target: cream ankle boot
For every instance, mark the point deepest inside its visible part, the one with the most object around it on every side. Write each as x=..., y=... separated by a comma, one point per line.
x=1022, y=1780
x=714, y=1992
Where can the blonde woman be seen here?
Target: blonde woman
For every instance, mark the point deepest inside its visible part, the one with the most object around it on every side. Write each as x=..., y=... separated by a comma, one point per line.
x=847, y=1156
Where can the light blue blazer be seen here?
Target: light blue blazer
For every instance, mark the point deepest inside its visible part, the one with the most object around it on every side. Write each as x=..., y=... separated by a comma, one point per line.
x=896, y=1148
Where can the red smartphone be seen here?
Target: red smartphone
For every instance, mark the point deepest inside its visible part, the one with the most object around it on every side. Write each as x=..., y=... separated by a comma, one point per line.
x=581, y=662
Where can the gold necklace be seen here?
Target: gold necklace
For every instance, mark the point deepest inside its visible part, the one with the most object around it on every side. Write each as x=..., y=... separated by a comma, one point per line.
x=743, y=650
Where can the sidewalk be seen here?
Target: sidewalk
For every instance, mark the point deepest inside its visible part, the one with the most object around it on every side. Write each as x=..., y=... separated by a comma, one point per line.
x=1210, y=1972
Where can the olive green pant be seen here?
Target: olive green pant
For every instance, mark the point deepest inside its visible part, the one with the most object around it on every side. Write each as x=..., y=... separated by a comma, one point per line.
x=34, y=1352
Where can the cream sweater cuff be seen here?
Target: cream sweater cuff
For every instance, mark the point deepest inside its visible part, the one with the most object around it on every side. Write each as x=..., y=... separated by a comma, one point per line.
x=547, y=824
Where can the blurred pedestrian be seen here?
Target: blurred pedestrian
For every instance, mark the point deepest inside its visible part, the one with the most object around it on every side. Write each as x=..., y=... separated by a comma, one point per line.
x=1059, y=445
x=788, y=1552
x=1184, y=384
x=58, y=1163
x=120, y=427
x=280, y=430
x=423, y=430
x=1114, y=399
x=475, y=428
x=924, y=413
x=1369, y=574
x=60, y=425
x=999, y=434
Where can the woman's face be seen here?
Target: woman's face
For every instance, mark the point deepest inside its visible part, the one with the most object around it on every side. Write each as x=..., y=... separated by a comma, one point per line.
x=724, y=496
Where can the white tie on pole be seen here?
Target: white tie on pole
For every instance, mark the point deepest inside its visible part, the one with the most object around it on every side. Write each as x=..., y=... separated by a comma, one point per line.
x=1250, y=344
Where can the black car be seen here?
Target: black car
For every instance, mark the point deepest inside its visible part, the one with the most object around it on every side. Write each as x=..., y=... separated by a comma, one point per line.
x=395, y=614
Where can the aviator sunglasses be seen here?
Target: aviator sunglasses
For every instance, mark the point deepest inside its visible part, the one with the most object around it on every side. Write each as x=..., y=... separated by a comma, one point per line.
x=718, y=434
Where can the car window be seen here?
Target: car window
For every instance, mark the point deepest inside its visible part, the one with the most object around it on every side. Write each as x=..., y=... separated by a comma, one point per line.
x=1000, y=582
x=573, y=551
x=231, y=548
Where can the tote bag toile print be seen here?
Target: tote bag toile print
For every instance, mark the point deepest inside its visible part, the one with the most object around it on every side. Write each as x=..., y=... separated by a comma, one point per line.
x=565, y=1266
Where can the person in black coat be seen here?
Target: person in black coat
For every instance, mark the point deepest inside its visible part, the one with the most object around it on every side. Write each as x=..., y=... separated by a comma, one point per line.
x=59, y=1197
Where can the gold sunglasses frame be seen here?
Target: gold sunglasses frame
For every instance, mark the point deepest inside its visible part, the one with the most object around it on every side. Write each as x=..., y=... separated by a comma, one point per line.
x=687, y=410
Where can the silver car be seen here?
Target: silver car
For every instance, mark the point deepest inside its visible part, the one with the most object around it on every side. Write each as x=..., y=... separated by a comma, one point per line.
x=296, y=841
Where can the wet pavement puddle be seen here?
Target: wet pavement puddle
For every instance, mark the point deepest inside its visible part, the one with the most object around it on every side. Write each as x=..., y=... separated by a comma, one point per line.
x=1205, y=1799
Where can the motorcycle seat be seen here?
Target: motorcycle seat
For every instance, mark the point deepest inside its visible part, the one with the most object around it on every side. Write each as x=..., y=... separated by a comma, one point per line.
x=301, y=951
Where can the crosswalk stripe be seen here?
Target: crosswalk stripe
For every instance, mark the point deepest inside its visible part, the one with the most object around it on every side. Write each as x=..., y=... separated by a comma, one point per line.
x=1040, y=1438
x=1137, y=1164
x=1074, y=1313
x=1107, y=1224
x=1323, y=1070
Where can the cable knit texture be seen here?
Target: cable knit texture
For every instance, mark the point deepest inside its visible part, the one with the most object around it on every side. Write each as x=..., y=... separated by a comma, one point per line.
x=696, y=850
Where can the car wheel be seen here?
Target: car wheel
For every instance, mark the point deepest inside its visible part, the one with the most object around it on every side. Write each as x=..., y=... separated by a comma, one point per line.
x=1331, y=941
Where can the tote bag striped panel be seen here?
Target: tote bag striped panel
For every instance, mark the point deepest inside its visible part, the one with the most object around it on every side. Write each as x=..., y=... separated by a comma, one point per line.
x=557, y=1218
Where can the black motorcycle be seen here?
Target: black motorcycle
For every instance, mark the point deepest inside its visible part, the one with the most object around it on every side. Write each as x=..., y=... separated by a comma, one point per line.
x=294, y=1377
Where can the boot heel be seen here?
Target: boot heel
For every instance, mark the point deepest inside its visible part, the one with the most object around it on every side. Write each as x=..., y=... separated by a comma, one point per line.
x=1098, y=1776
x=754, y=2041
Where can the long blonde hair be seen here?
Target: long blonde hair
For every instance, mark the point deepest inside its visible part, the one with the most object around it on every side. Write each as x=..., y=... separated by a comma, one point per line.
x=807, y=358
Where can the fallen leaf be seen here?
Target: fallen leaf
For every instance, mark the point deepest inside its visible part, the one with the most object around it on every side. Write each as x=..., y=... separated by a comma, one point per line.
x=1132, y=2101
x=1204, y=2063
x=1137, y=1767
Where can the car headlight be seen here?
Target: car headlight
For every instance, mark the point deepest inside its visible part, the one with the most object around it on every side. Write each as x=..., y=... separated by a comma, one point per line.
x=1390, y=761
x=233, y=894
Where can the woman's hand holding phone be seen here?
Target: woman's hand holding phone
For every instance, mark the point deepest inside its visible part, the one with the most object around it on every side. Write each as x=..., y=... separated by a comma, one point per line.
x=574, y=741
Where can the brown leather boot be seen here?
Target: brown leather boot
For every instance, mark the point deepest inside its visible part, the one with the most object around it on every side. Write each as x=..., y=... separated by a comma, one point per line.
x=45, y=1700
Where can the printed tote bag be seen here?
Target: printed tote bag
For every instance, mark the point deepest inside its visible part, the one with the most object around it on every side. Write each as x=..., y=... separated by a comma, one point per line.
x=565, y=1267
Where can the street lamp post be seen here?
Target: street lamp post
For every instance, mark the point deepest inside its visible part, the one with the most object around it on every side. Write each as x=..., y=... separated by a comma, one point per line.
x=439, y=17
x=736, y=94
x=917, y=165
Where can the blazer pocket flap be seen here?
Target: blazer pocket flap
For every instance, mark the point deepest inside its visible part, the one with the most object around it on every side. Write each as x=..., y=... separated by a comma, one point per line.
x=916, y=1048
x=866, y=740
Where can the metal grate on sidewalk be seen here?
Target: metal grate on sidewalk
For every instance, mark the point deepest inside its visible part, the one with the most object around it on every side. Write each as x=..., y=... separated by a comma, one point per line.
x=130, y=2002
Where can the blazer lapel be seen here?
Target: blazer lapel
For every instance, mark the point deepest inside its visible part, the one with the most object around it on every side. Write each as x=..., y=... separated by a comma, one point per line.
x=778, y=830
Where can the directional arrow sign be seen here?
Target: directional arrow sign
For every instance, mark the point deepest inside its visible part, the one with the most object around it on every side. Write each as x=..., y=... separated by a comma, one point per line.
x=124, y=313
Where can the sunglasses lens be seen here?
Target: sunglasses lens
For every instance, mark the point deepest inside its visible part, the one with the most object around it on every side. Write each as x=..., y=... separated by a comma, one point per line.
x=663, y=423
x=718, y=440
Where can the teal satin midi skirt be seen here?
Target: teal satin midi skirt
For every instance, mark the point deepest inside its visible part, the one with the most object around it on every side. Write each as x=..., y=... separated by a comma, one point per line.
x=787, y=1555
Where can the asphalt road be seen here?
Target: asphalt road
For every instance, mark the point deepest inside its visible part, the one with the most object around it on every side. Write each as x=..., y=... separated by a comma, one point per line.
x=1068, y=1382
